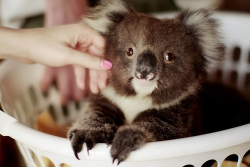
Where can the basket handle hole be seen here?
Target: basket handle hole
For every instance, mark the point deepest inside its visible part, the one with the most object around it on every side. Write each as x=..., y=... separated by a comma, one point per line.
x=35, y=158
x=231, y=161
x=247, y=80
x=52, y=111
x=64, y=165
x=216, y=76
x=233, y=78
x=210, y=163
x=65, y=111
x=246, y=158
x=188, y=166
x=249, y=57
x=33, y=95
x=236, y=54
x=48, y=162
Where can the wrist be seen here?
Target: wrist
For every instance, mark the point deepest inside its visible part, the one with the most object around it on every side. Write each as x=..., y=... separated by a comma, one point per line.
x=13, y=44
x=8, y=43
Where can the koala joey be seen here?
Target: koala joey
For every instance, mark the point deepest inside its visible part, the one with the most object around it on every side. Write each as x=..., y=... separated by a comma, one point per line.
x=158, y=69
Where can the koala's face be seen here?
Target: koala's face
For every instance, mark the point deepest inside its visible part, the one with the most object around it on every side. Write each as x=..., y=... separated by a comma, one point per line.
x=153, y=56
x=163, y=59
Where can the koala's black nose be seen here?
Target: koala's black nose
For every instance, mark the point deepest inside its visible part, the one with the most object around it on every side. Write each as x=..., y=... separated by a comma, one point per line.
x=146, y=66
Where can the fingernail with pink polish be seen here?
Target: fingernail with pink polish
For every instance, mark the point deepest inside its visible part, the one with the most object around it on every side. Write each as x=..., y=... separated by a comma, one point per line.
x=107, y=64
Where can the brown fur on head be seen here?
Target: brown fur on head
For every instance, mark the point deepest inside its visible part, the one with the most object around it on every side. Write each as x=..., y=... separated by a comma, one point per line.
x=162, y=58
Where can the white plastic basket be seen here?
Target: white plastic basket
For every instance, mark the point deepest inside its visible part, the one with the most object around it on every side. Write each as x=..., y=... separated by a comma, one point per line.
x=22, y=99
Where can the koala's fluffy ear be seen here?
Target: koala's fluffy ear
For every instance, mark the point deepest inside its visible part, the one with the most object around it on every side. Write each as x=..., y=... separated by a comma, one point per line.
x=205, y=29
x=105, y=14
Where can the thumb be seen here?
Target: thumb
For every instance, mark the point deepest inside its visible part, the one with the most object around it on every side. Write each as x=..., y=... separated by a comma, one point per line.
x=89, y=61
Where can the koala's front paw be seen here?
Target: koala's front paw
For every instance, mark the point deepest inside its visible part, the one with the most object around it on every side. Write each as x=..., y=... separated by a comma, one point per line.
x=91, y=136
x=127, y=139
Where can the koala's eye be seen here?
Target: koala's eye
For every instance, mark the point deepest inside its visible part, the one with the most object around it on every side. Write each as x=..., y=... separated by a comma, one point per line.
x=169, y=57
x=130, y=52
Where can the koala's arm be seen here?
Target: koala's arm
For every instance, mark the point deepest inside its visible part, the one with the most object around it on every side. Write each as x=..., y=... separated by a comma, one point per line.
x=97, y=124
x=164, y=124
x=153, y=125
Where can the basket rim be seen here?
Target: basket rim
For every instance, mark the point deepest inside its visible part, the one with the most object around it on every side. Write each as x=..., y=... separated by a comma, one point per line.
x=150, y=151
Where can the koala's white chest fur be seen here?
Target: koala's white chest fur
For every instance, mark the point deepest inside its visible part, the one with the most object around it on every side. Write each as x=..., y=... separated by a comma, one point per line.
x=131, y=106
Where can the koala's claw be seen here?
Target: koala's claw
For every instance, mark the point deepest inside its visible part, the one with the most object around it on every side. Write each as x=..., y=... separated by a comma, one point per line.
x=123, y=145
x=76, y=155
x=90, y=137
x=117, y=162
x=90, y=144
x=77, y=138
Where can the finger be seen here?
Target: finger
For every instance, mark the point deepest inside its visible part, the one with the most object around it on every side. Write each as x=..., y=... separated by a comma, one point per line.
x=97, y=40
x=80, y=76
x=77, y=93
x=87, y=82
x=102, y=79
x=88, y=61
x=96, y=51
x=47, y=78
x=26, y=61
x=93, y=81
x=99, y=43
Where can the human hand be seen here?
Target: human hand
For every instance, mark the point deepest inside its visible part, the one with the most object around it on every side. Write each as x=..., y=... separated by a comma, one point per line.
x=86, y=80
x=74, y=44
